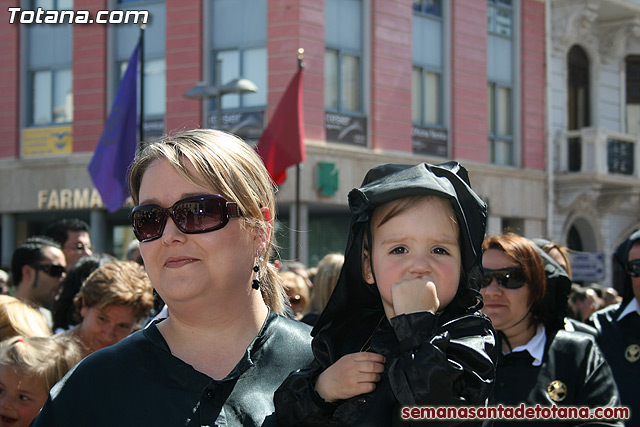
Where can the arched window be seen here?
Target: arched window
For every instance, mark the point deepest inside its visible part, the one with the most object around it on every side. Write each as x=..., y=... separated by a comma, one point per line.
x=578, y=89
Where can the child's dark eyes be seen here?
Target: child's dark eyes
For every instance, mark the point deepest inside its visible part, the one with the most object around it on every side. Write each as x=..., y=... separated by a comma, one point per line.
x=23, y=397
x=440, y=251
x=399, y=250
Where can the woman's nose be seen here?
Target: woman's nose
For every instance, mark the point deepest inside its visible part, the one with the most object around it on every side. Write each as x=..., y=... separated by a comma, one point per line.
x=171, y=232
x=493, y=287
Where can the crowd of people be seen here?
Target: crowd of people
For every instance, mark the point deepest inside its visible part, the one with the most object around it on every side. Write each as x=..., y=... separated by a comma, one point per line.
x=202, y=324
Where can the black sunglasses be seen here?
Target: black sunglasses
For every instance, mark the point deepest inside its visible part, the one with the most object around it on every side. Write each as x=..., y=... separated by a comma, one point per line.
x=54, y=270
x=633, y=268
x=193, y=215
x=509, y=278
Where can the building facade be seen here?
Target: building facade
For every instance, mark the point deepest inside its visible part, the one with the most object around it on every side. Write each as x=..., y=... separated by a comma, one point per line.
x=594, y=109
x=386, y=81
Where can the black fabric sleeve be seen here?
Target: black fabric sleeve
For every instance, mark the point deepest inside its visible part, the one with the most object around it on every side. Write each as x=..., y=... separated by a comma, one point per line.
x=449, y=365
x=297, y=402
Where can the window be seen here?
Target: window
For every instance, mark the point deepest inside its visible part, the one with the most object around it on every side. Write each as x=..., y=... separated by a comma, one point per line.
x=154, y=78
x=343, y=56
x=633, y=94
x=49, y=57
x=499, y=122
x=238, y=41
x=500, y=64
x=428, y=7
x=578, y=90
x=52, y=97
x=426, y=98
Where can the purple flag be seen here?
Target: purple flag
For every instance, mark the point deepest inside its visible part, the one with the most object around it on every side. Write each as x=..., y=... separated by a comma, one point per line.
x=117, y=146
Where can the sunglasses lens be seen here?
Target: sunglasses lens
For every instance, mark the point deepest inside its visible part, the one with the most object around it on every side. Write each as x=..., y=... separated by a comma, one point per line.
x=148, y=222
x=200, y=214
x=509, y=279
x=57, y=271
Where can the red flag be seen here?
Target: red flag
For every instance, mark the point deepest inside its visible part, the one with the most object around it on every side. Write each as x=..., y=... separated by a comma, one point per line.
x=282, y=142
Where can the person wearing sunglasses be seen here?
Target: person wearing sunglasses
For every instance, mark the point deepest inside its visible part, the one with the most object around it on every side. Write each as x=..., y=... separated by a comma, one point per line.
x=38, y=266
x=618, y=326
x=204, y=215
x=73, y=236
x=525, y=295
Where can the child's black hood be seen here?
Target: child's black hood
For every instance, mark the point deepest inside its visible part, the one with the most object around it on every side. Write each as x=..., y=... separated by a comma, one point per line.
x=621, y=255
x=391, y=182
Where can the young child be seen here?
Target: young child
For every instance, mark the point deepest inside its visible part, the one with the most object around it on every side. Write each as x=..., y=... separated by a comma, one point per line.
x=29, y=367
x=403, y=326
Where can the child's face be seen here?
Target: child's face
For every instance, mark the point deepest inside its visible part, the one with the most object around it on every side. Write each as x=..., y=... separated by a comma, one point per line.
x=21, y=397
x=419, y=242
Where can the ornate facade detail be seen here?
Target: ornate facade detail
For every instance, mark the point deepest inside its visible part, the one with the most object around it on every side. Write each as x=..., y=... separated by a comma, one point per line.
x=574, y=24
x=614, y=39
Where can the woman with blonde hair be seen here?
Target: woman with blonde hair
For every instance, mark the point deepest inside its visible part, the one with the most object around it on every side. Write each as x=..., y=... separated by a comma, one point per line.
x=204, y=215
x=18, y=318
x=324, y=281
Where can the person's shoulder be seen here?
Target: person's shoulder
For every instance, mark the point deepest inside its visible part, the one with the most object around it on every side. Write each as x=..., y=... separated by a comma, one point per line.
x=115, y=356
x=578, y=345
x=604, y=316
x=290, y=328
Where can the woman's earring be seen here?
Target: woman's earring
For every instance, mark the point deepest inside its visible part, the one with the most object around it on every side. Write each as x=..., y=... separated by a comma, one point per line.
x=256, y=269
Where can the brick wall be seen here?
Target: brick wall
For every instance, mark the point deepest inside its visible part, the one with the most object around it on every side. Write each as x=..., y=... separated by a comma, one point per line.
x=184, y=27
x=9, y=85
x=89, y=78
x=292, y=24
x=391, y=75
x=469, y=80
x=533, y=85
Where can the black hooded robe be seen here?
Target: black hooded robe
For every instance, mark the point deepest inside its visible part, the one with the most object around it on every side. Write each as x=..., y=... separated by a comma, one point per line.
x=431, y=359
x=620, y=339
x=573, y=373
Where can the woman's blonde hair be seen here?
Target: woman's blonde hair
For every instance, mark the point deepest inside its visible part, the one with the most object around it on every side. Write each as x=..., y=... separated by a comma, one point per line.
x=325, y=280
x=117, y=283
x=48, y=358
x=228, y=166
x=18, y=318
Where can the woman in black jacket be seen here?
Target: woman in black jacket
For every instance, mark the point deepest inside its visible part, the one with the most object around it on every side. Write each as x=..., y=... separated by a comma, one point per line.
x=525, y=294
x=438, y=354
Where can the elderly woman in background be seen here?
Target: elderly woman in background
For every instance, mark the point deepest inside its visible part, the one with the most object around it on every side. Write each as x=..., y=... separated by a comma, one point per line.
x=204, y=215
x=540, y=363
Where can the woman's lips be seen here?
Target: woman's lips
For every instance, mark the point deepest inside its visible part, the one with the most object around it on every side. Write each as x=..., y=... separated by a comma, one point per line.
x=177, y=262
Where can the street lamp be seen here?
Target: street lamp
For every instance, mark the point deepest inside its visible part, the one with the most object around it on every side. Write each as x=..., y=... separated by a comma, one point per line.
x=203, y=91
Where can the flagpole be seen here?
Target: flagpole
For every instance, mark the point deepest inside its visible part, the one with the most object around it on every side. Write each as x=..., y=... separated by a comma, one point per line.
x=297, y=242
x=141, y=122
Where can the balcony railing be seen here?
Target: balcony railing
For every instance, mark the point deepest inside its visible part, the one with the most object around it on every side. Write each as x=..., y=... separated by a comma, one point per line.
x=596, y=150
